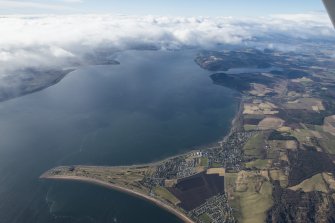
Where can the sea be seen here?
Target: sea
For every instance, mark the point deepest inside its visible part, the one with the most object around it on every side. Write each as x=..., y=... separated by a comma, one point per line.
x=155, y=104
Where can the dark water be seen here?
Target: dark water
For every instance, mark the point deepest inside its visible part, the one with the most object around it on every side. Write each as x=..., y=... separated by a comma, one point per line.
x=154, y=105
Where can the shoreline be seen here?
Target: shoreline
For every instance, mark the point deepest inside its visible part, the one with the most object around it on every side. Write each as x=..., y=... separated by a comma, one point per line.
x=182, y=216
x=166, y=207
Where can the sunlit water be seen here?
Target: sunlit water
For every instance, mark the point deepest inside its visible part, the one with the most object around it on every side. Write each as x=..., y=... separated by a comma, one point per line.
x=153, y=105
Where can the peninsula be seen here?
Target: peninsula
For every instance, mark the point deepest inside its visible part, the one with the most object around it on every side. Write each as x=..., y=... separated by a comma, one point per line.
x=277, y=164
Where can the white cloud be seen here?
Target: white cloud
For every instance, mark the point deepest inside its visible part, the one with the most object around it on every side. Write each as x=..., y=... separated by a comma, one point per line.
x=7, y=4
x=41, y=40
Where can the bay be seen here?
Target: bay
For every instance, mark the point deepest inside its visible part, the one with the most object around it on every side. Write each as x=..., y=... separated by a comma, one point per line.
x=154, y=105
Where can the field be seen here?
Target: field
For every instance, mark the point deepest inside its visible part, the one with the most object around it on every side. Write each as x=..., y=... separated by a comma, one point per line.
x=311, y=104
x=259, y=108
x=259, y=164
x=230, y=183
x=283, y=144
x=303, y=135
x=279, y=176
x=220, y=171
x=254, y=146
x=330, y=180
x=205, y=218
x=250, y=127
x=315, y=183
x=278, y=149
x=303, y=80
x=251, y=197
x=271, y=123
x=204, y=161
x=166, y=195
x=195, y=190
x=327, y=142
x=260, y=90
x=329, y=125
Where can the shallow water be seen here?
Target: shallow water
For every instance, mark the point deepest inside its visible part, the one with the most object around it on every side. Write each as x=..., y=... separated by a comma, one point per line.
x=154, y=105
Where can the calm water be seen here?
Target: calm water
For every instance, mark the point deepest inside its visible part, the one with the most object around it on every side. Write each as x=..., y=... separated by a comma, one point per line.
x=155, y=104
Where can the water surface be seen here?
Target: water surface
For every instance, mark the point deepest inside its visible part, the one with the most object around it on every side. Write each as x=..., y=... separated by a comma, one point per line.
x=154, y=105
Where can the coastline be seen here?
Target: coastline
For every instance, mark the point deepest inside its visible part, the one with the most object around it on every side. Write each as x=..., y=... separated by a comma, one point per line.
x=182, y=216
x=152, y=200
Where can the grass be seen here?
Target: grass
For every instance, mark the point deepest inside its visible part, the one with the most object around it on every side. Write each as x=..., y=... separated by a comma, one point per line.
x=258, y=164
x=250, y=127
x=205, y=218
x=254, y=146
x=328, y=142
x=250, y=204
x=279, y=176
x=315, y=183
x=230, y=181
x=318, y=128
x=301, y=134
x=254, y=206
x=260, y=117
x=216, y=165
x=166, y=195
x=204, y=161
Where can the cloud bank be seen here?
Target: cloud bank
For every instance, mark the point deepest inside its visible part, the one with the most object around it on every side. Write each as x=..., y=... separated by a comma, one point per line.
x=55, y=40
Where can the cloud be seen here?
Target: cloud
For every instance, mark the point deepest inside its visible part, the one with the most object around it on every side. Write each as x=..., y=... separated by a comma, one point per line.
x=55, y=40
x=7, y=4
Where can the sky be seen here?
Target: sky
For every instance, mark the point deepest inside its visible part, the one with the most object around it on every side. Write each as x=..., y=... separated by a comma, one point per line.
x=48, y=33
x=161, y=7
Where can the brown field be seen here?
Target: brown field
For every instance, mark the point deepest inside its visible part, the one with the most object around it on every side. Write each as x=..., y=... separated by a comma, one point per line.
x=170, y=183
x=260, y=90
x=302, y=80
x=329, y=125
x=283, y=144
x=293, y=94
x=280, y=176
x=330, y=180
x=271, y=123
x=311, y=104
x=278, y=149
x=281, y=87
x=260, y=108
x=284, y=129
x=220, y=171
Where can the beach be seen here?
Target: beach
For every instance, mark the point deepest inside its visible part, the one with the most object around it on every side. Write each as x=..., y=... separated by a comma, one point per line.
x=166, y=207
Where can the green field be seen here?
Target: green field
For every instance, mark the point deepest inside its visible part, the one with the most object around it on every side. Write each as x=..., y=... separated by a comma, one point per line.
x=279, y=176
x=216, y=165
x=254, y=146
x=258, y=164
x=166, y=195
x=205, y=218
x=328, y=142
x=204, y=161
x=315, y=183
x=250, y=127
x=250, y=202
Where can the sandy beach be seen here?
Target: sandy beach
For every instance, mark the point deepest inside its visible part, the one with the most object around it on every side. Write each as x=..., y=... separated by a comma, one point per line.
x=166, y=207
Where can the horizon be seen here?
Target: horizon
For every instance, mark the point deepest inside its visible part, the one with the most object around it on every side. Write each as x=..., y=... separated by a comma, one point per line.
x=185, y=8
